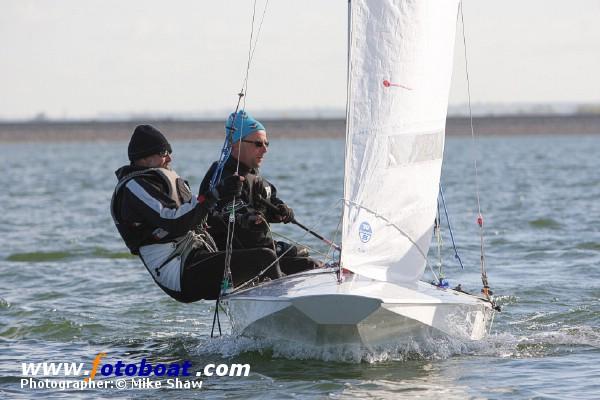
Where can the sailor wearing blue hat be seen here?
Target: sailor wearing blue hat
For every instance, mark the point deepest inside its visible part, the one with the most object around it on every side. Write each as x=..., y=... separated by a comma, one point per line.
x=242, y=124
x=249, y=145
x=249, y=139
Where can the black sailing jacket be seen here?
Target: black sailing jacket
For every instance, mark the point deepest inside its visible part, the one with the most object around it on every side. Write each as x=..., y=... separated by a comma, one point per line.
x=254, y=185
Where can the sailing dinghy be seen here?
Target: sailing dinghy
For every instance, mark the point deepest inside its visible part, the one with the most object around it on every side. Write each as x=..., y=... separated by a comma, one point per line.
x=399, y=72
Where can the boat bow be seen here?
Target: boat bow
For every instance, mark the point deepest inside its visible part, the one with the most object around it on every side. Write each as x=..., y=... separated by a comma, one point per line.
x=315, y=309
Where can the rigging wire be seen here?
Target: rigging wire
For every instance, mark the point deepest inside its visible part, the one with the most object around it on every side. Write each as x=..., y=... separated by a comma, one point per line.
x=485, y=290
x=450, y=228
x=225, y=153
x=252, y=47
x=242, y=94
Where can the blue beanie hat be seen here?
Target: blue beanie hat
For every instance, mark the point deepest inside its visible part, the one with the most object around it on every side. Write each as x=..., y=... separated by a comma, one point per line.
x=243, y=124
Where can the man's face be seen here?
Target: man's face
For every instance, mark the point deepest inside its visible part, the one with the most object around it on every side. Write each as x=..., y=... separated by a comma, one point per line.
x=247, y=152
x=156, y=161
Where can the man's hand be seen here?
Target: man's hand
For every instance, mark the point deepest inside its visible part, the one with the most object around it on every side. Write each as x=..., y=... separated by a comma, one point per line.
x=230, y=187
x=251, y=221
x=285, y=214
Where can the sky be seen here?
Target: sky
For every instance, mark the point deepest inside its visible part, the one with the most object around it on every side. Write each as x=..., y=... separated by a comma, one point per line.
x=104, y=58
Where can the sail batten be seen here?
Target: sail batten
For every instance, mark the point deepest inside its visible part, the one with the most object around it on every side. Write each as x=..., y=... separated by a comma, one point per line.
x=400, y=67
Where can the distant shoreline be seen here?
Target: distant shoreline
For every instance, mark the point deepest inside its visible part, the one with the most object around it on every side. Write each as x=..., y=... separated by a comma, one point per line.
x=55, y=131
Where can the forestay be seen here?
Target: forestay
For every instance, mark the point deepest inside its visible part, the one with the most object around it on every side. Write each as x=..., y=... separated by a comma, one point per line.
x=400, y=67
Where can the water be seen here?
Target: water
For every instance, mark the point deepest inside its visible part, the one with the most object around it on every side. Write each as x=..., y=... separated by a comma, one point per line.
x=69, y=289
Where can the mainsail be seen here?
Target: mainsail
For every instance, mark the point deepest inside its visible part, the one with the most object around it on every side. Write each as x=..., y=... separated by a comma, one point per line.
x=400, y=67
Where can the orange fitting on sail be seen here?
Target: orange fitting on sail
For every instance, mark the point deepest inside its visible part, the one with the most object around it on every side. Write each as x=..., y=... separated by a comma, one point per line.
x=480, y=221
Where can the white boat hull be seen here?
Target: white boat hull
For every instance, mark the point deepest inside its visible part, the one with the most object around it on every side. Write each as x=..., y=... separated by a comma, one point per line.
x=315, y=309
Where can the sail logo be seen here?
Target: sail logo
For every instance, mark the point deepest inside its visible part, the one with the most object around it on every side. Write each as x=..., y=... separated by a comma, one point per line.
x=365, y=232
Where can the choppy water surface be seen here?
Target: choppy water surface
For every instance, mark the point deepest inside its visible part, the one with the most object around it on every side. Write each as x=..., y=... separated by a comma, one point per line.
x=69, y=289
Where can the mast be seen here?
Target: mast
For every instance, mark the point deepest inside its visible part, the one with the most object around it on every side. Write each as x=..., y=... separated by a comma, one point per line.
x=348, y=40
x=346, y=141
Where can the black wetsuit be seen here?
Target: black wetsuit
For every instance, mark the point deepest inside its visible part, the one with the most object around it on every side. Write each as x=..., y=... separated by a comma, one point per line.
x=250, y=235
x=161, y=221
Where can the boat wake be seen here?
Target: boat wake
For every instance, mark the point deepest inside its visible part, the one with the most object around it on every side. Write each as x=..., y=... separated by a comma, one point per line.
x=430, y=349
x=505, y=345
x=542, y=343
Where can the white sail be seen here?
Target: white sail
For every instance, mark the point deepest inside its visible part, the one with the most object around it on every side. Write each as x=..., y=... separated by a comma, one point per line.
x=401, y=55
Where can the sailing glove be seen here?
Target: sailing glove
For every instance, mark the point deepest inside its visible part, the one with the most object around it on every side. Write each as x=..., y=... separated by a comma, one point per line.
x=285, y=213
x=209, y=199
x=230, y=187
x=251, y=221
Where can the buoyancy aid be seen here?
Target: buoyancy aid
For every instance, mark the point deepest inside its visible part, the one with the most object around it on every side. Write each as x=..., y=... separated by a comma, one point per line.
x=136, y=233
x=164, y=259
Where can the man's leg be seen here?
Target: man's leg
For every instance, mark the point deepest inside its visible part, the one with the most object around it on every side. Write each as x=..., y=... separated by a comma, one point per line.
x=256, y=260
x=293, y=265
x=203, y=272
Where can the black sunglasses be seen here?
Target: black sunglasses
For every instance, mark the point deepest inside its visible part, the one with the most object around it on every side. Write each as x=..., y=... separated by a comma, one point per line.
x=257, y=143
x=164, y=153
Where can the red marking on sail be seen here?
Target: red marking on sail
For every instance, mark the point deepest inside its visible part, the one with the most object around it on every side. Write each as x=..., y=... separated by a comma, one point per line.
x=387, y=83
